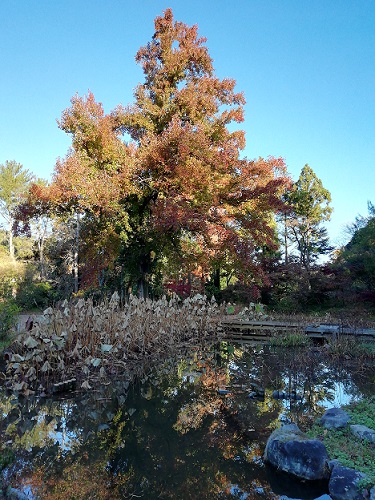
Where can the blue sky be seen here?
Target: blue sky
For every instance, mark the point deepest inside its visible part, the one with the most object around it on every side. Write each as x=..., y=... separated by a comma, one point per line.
x=307, y=68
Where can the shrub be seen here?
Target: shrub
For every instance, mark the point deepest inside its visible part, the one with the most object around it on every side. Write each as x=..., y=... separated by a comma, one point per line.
x=32, y=295
x=8, y=317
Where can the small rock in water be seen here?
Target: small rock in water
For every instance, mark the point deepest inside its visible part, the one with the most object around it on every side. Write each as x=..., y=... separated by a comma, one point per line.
x=223, y=391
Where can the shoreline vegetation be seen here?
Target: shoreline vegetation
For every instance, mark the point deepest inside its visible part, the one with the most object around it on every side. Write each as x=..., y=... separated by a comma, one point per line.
x=80, y=343
x=91, y=343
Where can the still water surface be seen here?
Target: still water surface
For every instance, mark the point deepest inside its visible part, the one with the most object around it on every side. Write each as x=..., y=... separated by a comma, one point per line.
x=194, y=427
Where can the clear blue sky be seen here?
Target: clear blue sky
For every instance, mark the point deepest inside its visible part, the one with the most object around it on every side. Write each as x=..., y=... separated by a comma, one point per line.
x=307, y=68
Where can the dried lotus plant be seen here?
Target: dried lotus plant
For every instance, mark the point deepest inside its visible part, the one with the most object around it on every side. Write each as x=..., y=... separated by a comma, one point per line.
x=86, y=342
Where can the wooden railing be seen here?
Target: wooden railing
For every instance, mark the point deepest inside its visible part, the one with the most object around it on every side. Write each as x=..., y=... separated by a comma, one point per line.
x=237, y=328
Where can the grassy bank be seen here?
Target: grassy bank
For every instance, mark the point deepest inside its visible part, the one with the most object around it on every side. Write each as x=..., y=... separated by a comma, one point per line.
x=341, y=444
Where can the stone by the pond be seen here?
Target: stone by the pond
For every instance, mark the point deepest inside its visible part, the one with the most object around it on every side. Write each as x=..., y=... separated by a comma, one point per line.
x=14, y=494
x=291, y=451
x=334, y=418
x=343, y=483
x=322, y=497
x=363, y=432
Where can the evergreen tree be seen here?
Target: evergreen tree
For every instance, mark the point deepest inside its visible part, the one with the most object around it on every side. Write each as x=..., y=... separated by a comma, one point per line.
x=308, y=208
x=14, y=182
x=358, y=256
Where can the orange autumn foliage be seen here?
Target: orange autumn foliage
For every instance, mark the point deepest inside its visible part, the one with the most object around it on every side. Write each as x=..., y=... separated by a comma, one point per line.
x=166, y=171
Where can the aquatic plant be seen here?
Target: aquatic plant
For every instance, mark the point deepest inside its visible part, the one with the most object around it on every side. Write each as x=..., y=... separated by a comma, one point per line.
x=82, y=342
x=255, y=311
x=290, y=339
x=350, y=349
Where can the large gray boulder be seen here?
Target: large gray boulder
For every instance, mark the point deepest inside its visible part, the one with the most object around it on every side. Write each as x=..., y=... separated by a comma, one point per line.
x=322, y=497
x=291, y=451
x=363, y=432
x=334, y=418
x=343, y=483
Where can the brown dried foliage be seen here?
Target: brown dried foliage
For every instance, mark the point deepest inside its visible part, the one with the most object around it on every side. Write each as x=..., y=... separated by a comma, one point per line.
x=97, y=342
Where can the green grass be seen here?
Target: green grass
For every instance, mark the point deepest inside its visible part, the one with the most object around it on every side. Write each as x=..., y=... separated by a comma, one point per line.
x=341, y=444
x=6, y=458
x=292, y=339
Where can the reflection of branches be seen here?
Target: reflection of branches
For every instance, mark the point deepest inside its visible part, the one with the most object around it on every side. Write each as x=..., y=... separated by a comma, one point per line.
x=212, y=378
x=192, y=415
x=124, y=450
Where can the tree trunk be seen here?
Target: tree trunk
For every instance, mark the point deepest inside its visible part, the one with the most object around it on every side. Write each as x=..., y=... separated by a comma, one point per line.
x=144, y=270
x=41, y=257
x=286, y=241
x=75, y=256
x=216, y=279
x=10, y=235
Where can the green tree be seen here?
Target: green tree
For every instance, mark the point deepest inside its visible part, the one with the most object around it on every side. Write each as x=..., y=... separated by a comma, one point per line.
x=357, y=258
x=308, y=208
x=14, y=182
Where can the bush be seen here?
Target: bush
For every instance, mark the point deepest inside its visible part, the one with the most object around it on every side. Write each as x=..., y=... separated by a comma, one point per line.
x=33, y=295
x=8, y=317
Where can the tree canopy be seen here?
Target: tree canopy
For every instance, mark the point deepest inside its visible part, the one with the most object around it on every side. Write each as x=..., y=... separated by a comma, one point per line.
x=163, y=178
x=14, y=182
x=358, y=256
x=308, y=207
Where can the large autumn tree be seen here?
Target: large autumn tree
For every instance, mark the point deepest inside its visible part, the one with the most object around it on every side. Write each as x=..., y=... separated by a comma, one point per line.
x=163, y=177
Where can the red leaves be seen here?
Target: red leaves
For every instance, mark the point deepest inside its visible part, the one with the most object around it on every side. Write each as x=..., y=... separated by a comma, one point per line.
x=183, y=174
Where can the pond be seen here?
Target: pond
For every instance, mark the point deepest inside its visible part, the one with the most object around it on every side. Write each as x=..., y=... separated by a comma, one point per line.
x=194, y=427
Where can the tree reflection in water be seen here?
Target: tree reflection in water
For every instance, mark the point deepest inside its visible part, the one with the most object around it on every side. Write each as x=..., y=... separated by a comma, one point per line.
x=194, y=427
